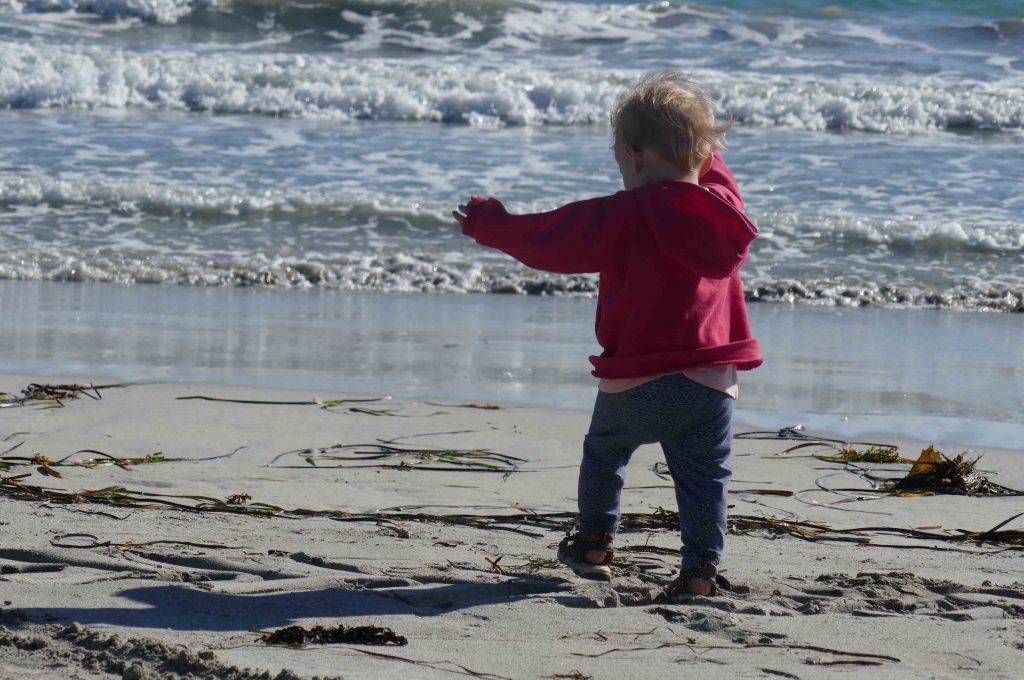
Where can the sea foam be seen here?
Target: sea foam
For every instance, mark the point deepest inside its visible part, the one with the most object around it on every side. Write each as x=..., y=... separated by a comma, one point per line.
x=452, y=91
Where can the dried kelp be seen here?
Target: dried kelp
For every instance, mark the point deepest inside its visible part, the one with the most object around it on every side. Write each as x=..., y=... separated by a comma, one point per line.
x=46, y=466
x=818, y=531
x=436, y=665
x=660, y=519
x=691, y=643
x=298, y=636
x=325, y=404
x=481, y=406
x=844, y=452
x=408, y=458
x=796, y=432
x=328, y=403
x=54, y=395
x=934, y=473
x=99, y=459
x=14, y=487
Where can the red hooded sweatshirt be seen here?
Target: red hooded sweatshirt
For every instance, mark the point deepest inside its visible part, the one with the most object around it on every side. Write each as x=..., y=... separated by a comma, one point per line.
x=669, y=255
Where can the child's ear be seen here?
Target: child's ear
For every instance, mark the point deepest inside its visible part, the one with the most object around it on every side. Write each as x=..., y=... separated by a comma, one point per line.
x=706, y=165
x=635, y=156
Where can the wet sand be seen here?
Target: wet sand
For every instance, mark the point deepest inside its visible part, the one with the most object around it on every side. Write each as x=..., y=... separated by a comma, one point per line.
x=856, y=372
x=458, y=558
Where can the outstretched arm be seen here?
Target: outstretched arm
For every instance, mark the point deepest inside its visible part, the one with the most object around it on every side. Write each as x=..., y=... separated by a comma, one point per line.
x=577, y=238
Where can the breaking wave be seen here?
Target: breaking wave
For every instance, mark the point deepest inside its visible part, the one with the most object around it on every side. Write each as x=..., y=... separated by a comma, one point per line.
x=341, y=89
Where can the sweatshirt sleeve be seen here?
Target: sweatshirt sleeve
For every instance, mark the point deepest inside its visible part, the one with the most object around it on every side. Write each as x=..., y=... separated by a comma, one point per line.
x=577, y=238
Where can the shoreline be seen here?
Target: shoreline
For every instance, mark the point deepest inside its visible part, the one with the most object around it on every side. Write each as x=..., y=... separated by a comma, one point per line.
x=855, y=372
x=181, y=558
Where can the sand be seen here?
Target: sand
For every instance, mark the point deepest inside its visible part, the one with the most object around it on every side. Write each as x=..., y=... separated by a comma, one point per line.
x=91, y=589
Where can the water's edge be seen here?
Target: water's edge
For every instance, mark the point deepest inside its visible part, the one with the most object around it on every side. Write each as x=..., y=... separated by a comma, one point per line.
x=935, y=376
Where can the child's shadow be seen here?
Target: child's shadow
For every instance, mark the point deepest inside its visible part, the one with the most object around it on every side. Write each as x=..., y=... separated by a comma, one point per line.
x=183, y=608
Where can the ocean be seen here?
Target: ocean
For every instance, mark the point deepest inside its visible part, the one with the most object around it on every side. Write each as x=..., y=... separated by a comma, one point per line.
x=318, y=148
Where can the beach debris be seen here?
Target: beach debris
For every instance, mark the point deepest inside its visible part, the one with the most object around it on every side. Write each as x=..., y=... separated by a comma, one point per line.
x=409, y=458
x=844, y=453
x=495, y=567
x=818, y=531
x=55, y=395
x=797, y=432
x=436, y=665
x=83, y=540
x=326, y=404
x=536, y=564
x=520, y=523
x=323, y=403
x=484, y=407
x=299, y=636
x=934, y=473
x=98, y=459
x=46, y=466
x=749, y=645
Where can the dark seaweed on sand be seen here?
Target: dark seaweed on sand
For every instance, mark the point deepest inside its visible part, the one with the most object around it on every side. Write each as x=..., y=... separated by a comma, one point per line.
x=520, y=523
x=933, y=472
x=55, y=395
x=298, y=636
x=407, y=458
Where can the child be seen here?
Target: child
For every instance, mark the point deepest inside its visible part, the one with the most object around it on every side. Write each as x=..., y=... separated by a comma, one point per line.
x=671, y=317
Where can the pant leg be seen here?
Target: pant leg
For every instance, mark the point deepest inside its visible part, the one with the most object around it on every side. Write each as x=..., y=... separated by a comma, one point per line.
x=607, y=448
x=700, y=461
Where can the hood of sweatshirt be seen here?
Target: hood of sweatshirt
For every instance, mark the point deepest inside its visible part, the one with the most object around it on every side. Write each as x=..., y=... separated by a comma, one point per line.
x=700, y=227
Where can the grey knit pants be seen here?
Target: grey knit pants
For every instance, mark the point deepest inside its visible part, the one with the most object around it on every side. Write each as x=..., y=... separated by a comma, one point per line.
x=693, y=424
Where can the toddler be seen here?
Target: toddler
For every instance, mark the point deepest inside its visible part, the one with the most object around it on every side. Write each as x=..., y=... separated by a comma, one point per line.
x=671, y=317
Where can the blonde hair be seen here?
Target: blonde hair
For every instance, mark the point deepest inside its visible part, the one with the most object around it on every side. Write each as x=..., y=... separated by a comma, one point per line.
x=668, y=112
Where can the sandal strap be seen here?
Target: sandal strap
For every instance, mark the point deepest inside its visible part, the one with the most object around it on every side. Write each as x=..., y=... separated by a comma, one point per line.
x=704, y=570
x=578, y=545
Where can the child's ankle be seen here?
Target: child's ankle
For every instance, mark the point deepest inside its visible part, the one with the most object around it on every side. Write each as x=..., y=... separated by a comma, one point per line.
x=595, y=556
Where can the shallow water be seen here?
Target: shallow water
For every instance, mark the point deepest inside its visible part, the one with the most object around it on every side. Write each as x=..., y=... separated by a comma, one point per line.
x=934, y=376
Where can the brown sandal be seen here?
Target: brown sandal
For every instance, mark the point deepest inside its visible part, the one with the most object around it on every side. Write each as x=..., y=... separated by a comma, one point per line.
x=686, y=584
x=573, y=548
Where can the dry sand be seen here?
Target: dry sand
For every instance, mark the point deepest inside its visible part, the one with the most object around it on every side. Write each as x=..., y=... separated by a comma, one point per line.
x=96, y=590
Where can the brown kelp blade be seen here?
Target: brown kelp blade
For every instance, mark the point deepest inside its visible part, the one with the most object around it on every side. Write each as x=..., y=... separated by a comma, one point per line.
x=934, y=473
x=382, y=455
x=55, y=395
x=660, y=519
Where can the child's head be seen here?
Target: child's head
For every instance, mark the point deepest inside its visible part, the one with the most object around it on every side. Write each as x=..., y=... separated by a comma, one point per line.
x=666, y=113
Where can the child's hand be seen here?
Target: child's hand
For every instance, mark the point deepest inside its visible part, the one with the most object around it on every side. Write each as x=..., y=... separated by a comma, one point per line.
x=460, y=214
